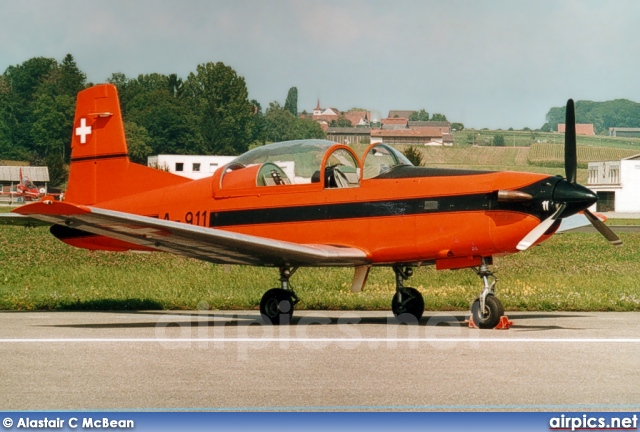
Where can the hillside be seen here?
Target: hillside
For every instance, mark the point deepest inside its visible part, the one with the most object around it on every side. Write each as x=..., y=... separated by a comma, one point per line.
x=539, y=158
x=553, y=154
x=528, y=138
x=603, y=115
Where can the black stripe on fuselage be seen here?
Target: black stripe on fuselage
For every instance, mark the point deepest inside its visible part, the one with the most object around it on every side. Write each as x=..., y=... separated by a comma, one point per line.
x=353, y=210
x=350, y=210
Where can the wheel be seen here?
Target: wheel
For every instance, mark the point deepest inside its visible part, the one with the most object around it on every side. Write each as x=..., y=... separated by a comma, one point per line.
x=493, y=310
x=407, y=301
x=277, y=305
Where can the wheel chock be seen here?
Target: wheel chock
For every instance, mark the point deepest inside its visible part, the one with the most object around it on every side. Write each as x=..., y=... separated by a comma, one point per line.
x=503, y=324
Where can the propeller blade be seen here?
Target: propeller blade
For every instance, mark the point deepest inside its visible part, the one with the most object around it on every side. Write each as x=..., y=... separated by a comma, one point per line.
x=603, y=229
x=570, y=150
x=538, y=231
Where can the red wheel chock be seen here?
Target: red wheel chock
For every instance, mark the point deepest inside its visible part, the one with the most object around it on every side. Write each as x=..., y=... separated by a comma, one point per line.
x=503, y=324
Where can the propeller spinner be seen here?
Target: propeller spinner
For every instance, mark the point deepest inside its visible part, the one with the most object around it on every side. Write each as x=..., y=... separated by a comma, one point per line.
x=571, y=196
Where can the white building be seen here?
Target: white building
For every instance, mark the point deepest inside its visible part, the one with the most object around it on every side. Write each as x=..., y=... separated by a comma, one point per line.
x=191, y=166
x=617, y=184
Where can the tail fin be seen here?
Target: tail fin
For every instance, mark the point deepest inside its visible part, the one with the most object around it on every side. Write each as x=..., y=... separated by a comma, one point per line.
x=100, y=169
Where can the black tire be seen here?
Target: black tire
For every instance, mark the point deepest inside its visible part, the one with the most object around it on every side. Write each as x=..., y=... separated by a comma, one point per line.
x=493, y=310
x=277, y=305
x=407, y=302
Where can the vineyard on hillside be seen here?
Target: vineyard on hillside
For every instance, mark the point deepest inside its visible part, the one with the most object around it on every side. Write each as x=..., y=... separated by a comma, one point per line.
x=507, y=156
x=550, y=155
x=553, y=154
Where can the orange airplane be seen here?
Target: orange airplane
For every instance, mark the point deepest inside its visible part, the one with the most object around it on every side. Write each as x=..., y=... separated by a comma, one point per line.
x=308, y=203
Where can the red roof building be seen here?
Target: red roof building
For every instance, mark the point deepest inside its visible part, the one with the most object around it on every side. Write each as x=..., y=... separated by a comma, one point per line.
x=418, y=136
x=394, y=123
x=581, y=129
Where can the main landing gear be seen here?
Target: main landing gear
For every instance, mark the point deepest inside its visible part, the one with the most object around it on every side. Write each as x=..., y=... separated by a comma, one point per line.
x=487, y=309
x=277, y=304
x=407, y=303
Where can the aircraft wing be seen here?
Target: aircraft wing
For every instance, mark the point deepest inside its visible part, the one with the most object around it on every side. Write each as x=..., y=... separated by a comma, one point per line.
x=21, y=220
x=208, y=244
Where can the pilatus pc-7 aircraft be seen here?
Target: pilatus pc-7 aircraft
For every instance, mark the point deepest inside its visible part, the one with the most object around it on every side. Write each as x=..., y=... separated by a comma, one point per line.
x=308, y=203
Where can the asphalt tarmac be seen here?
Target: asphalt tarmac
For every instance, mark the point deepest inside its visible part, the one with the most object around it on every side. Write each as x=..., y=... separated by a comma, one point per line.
x=326, y=360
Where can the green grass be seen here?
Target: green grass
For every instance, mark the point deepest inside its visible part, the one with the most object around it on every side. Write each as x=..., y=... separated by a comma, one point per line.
x=575, y=271
x=619, y=222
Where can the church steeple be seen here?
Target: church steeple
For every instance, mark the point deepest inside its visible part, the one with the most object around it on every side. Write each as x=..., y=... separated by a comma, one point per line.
x=317, y=110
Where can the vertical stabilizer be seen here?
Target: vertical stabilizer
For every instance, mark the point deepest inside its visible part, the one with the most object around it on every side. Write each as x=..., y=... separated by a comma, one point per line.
x=100, y=169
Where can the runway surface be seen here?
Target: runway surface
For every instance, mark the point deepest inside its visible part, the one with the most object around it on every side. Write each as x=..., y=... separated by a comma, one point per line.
x=326, y=360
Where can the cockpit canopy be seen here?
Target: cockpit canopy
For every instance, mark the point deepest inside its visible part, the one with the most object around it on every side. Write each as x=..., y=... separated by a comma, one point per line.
x=309, y=161
x=380, y=158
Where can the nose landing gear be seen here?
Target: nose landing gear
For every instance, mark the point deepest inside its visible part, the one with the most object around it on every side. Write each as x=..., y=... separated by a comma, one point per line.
x=487, y=309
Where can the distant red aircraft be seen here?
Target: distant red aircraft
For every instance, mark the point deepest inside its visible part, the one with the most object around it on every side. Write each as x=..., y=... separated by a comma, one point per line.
x=26, y=189
x=306, y=204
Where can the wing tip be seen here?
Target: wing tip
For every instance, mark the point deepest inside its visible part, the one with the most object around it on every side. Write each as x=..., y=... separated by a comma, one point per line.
x=51, y=208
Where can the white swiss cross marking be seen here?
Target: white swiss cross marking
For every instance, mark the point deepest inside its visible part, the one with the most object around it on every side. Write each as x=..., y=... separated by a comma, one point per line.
x=83, y=131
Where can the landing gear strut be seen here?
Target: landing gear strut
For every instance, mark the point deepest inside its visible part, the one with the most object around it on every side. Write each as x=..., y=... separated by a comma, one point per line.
x=277, y=304
x=487, y=309
x=407, y=303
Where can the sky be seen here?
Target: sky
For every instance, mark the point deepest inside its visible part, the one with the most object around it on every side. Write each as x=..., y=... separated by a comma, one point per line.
x=485, y=63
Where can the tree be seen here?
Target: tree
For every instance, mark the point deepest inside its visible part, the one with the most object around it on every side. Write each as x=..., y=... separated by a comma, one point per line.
x=170, y=124
x=25, y=78
x=603, y=115
x=414, y=155
x=471, y=138
x=457, y=126
x=175, y=85
x=8, y=121
x=258, y=122
x=24, y=81
x=37, y=101
x=72, y=80
x=341, y=121
x=421, y=115
x=137, y=139
x=291, y=104
x=439, y=117
x=158, y=111
x=220, y=98
x=498, y=141
x=58, y=170
x=277, y=122
x=281, y=125
x=307, y=129
x=52, y=125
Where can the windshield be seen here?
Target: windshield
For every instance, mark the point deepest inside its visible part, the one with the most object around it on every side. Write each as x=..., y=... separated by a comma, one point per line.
x=299, y=159
x=380, y=159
